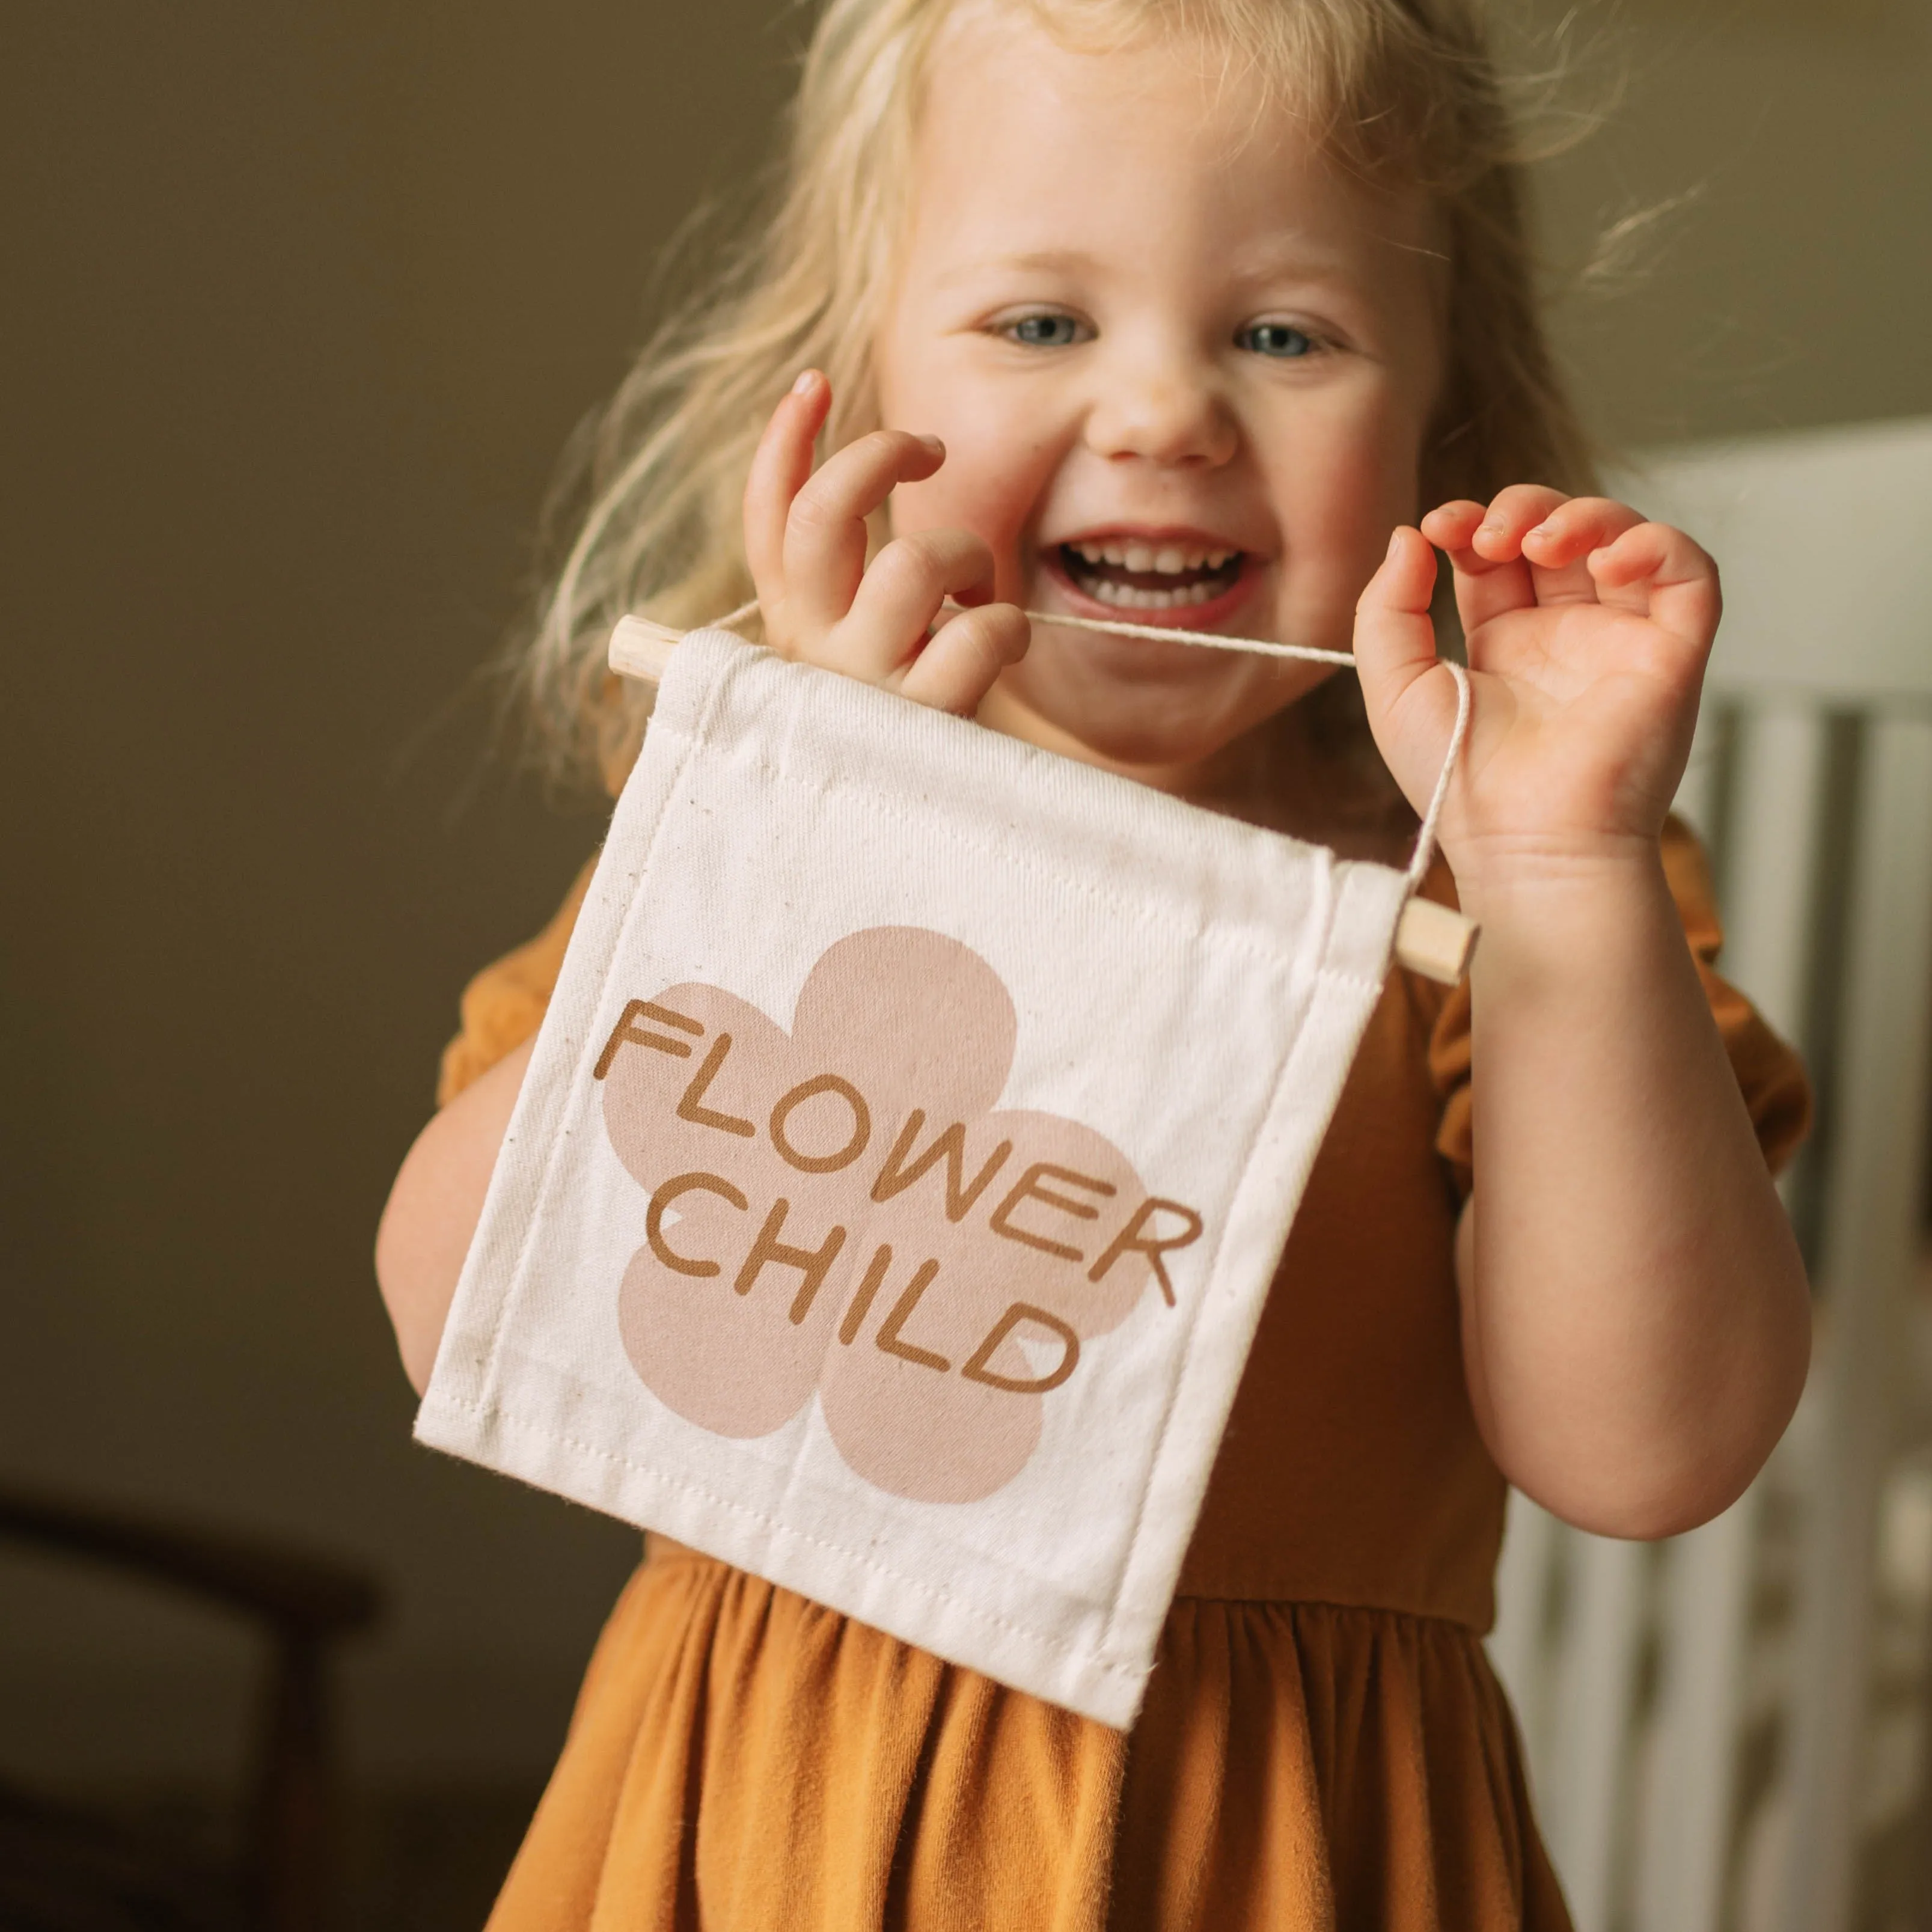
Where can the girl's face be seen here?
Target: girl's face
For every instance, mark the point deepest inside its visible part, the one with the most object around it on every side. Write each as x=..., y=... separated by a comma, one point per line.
x=1183, y=368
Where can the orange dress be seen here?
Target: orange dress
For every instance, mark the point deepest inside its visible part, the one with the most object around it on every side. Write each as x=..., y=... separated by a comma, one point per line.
x=1323, y=1748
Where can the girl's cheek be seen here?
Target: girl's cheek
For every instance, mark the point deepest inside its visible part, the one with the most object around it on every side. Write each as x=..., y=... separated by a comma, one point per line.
x=991, y=485
x=1368, y=484
x=1335, y=516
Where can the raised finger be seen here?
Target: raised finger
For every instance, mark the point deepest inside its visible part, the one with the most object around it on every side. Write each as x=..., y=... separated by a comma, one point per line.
x=1512, y=514
x=966, y=654
x=1483, y=545
x=901, y=594
x=781, y=467
x=1449, y=526
x=1574, y=528
x=825, y=530
x=1658, y=571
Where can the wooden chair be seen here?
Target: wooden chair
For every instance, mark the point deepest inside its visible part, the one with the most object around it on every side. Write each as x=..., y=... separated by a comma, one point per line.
x=1674, y=1708
x=59, y=1867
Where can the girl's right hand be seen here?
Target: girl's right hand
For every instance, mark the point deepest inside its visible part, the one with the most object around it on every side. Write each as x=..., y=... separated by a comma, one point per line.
x=805, y=540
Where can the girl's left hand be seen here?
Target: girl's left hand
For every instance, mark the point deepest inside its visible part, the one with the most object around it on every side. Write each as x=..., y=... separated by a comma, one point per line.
x=1588, y=631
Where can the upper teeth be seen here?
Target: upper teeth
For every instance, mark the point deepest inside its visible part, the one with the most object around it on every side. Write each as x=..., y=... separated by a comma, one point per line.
x=1170, y=560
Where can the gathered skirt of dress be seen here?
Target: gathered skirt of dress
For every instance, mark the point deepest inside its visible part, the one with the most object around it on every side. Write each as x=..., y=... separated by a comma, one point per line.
x=743, y=1759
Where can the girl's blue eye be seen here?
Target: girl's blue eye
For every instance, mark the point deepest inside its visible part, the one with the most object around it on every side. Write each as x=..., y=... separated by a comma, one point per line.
x=1045, y=332
x=1275, y=338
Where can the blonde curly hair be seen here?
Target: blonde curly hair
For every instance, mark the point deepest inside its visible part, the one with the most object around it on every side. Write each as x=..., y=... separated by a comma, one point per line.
x=1402, y=92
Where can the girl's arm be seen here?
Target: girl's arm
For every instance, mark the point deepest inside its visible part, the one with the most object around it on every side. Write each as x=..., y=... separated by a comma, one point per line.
x=434, y=1207
x=1636, y=1320
x=1635, y=1316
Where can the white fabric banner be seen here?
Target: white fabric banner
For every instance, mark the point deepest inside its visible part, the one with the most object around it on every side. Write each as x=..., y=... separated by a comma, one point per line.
x=903, y=1164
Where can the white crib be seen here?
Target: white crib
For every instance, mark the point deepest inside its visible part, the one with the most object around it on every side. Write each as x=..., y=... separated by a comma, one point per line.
x=1698, y=1713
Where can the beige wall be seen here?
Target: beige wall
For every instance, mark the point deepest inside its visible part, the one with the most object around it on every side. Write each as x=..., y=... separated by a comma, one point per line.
x=301, y=303
x=1792, y=285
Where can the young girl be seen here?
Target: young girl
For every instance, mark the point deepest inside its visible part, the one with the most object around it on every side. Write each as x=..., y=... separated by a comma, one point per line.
x=1176, y=310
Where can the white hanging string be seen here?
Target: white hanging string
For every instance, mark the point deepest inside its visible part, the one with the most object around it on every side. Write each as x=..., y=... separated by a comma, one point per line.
x=1260, y=647
x=1425, y=837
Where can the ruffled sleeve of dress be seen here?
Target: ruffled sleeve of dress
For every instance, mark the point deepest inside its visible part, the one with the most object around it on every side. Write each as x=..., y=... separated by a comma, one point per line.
x=504, y=1004
x=1770, y=1074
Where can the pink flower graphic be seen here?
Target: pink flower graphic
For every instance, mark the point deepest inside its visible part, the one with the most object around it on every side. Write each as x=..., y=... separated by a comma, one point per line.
x=840, y=1208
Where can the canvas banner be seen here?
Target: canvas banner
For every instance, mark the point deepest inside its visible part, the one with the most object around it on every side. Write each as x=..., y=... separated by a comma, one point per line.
x=903, y=1164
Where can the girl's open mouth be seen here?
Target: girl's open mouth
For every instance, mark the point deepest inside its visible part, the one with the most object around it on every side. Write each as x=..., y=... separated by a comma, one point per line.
x=1132, y=575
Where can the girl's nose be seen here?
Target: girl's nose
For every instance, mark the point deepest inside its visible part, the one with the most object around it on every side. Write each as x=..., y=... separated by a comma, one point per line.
x=1170, y=412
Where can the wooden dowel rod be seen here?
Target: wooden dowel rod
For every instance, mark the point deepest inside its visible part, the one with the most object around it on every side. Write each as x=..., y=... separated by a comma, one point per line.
x=641, y=649
x=1432, y=940
x=1435, y=940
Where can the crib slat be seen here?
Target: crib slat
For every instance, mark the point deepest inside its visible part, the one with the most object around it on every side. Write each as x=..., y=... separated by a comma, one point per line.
x=1775, y=821
x=1685, y=1838
x=1518, y=1645
x=1876, y=1162
x=1597, y=1677
x=1697, y=800
x=1689, y=1820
